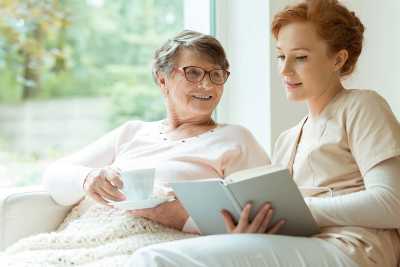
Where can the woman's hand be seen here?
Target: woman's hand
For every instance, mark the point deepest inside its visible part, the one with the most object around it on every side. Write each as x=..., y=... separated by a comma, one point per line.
x=171, y=214
x=260, y=223
x=103, y=185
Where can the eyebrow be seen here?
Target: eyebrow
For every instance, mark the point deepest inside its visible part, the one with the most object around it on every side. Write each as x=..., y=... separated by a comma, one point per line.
x=296, y=49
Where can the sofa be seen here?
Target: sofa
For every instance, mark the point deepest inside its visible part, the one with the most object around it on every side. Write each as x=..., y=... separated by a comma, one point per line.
x=27, y=211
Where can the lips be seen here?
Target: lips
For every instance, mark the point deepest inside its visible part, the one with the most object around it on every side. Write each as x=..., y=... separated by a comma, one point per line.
x=202, y=97
x=292, y=85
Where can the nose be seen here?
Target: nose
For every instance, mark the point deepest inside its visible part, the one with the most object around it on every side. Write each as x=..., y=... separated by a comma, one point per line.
x=286, y=68
x=206, y=83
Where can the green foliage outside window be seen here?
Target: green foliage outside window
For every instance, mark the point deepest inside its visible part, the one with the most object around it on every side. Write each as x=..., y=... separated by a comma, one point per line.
x=54, y=51
x=75, y=48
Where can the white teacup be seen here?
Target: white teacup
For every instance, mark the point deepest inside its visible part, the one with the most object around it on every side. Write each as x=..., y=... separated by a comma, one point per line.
x=138, y=184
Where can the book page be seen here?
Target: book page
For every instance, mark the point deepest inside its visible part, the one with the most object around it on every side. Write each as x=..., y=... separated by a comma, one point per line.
x=253, y=172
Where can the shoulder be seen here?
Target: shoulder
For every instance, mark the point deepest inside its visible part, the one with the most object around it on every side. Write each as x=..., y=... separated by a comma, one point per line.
x=130, y=126
x=366, y=107
x=372, y=130
x=236, y=133
x=362, y=95
x=242, y=149
x=359, y=99
x=238, y=137
x=129, y=129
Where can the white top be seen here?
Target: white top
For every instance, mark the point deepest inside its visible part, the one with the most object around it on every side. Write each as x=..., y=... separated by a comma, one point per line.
x=136, y=144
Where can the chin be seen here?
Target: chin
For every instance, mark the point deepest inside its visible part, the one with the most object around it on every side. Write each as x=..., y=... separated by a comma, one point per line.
x=203, y=110
x=294, y=97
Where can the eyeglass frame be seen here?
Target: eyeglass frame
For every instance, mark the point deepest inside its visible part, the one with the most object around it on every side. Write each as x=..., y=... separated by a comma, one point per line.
x=205, y=72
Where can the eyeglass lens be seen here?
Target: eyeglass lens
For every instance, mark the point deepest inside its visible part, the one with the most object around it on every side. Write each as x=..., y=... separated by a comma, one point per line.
x=196, y=74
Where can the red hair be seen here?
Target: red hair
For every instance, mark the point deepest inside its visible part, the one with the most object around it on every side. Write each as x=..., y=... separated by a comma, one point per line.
x=334, y=23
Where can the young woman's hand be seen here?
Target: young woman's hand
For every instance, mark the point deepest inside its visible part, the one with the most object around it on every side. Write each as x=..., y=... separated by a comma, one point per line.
x=103, y=185
x=171, y=214
x=260, y=223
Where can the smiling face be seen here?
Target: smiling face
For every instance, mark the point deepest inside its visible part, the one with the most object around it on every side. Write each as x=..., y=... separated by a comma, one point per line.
x=190, y=101
x=307, y=68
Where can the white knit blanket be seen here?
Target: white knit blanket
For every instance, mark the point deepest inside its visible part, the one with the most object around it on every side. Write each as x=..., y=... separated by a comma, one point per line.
x=99, y=236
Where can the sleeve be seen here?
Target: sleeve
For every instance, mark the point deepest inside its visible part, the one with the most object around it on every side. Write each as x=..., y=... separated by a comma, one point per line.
x=373, y=131
x=190, y=227
x=248, y=153
x=376, y=207
x=64, y=178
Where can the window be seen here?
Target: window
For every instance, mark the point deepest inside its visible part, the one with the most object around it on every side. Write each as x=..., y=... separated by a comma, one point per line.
x=71, y=71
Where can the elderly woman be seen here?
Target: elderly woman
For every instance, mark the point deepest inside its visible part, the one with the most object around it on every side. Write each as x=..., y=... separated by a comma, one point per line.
x=191, y=70
x=345, y=154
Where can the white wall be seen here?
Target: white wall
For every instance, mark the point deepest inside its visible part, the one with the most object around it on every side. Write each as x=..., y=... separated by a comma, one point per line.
x=197, y=15
x=254, y=96
x=379, y=64
x=246, y=97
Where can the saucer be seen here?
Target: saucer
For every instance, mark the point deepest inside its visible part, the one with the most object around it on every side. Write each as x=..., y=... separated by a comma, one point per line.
x=142, y=204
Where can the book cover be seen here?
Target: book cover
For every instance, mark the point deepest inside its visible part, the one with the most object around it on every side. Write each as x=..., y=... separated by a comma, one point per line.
x=204, y=199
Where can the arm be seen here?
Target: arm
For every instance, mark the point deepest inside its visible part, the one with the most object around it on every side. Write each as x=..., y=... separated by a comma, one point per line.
x=247, y=154
x=64, y=179
x=376, y=207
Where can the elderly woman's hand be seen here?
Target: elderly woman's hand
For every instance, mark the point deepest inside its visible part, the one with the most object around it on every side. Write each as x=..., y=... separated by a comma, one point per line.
x=103, y=185
x=260, y=223
x=171, y=214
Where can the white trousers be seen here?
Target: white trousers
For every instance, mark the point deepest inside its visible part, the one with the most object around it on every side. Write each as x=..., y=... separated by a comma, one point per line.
x=242, y=250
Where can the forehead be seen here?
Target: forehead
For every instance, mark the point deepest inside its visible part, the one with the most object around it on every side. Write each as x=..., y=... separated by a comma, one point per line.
x=299, y=35
x=191, y=57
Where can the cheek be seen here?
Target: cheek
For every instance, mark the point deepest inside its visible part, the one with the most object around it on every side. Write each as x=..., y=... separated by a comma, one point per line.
x=312, y=73
x=182, y=89
x=306, y=72
x=218, y=91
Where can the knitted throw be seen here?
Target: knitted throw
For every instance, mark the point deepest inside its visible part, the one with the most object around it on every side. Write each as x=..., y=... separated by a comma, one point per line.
x=99, y=236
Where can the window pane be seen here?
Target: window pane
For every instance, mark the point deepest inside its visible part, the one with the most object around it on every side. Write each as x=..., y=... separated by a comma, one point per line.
x=71, y=71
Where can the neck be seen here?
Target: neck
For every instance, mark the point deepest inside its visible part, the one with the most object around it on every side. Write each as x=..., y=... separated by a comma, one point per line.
x=175, y=121
x=317, y=104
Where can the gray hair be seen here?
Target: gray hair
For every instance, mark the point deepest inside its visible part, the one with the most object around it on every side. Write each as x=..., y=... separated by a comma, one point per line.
x=205, y=44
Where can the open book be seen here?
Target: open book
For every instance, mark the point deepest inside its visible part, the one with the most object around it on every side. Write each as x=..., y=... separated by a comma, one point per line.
x=204, y=199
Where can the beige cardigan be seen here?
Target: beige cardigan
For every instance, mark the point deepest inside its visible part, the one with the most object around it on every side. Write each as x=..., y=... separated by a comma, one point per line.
x=333, y=158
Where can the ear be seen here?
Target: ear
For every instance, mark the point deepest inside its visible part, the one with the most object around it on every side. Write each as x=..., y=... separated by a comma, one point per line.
x=162, y=82
x=340, y=59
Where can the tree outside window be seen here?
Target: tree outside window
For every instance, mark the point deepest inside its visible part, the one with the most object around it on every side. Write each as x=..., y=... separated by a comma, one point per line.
x=71, y=71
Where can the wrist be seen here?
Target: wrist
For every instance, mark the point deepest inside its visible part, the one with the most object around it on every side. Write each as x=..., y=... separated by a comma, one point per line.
x=85, y=180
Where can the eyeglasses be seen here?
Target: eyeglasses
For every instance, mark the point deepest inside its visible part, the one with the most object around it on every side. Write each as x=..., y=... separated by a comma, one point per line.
x=196, y=74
